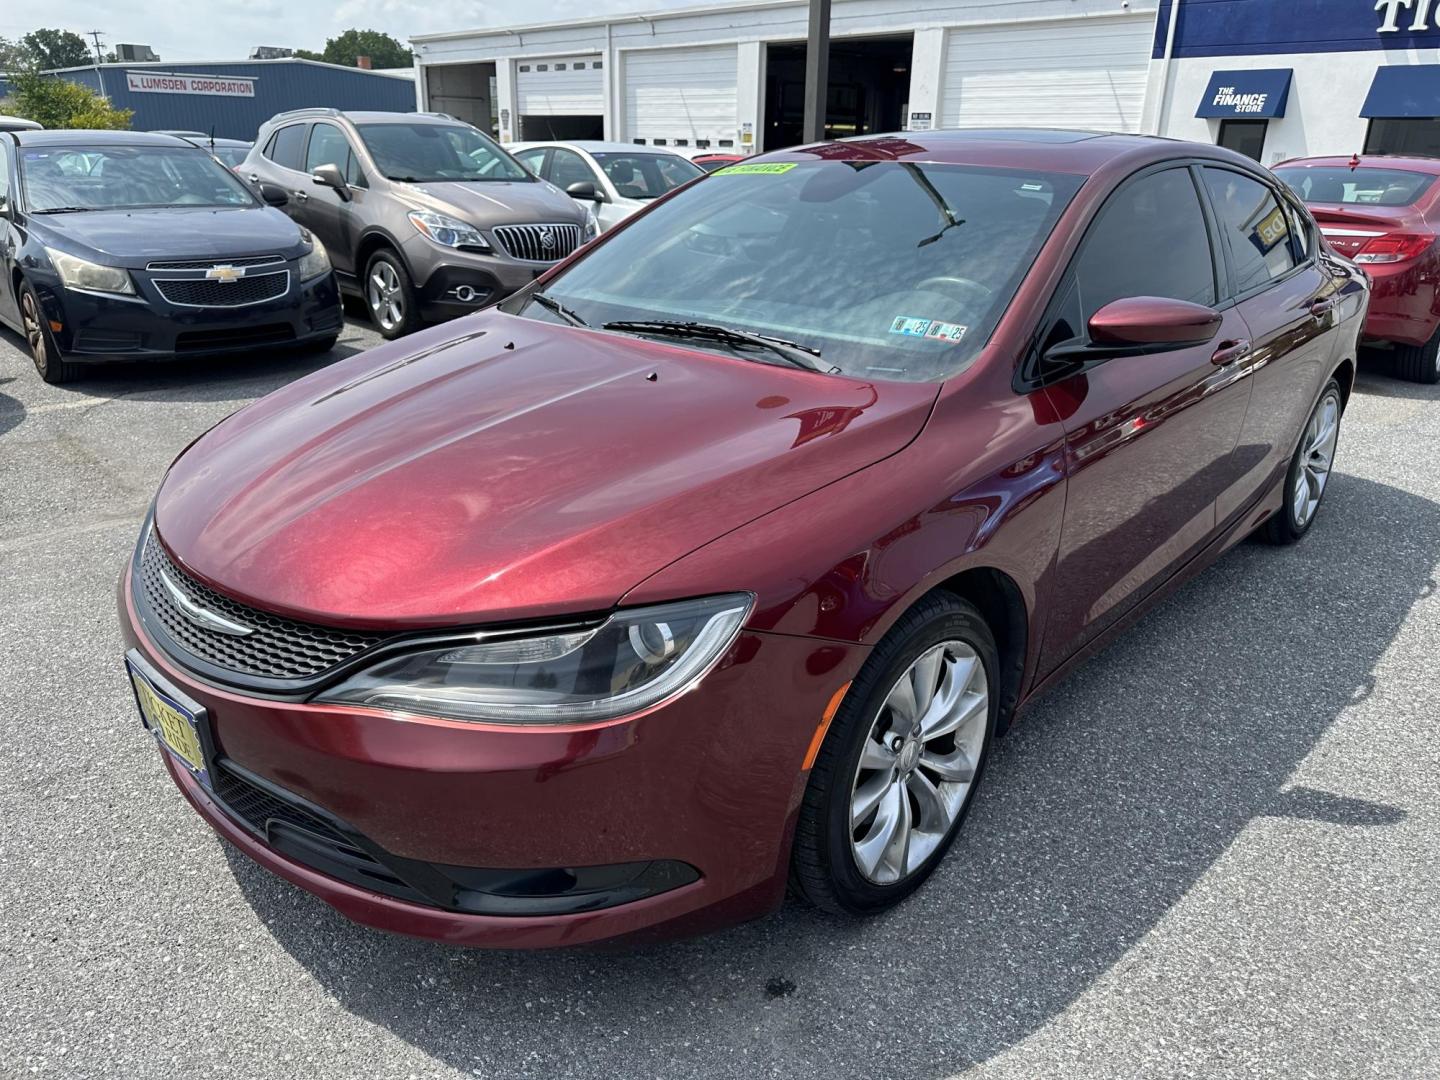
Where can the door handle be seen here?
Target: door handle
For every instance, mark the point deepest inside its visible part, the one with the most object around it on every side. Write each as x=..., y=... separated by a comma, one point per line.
x=254, y=178
x=302, y=196
x=1320, y=307
x=1230, y=351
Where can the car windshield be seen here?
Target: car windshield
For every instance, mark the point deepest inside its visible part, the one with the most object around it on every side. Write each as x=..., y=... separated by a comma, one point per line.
x=420, y=153
x=231, y=155
x=1360, y=186
x=646, y=176
x=126, y=178
x=892, y=270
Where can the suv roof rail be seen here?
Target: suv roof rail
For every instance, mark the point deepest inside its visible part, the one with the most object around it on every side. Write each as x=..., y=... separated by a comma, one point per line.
x=438, y=115
x=318, y=110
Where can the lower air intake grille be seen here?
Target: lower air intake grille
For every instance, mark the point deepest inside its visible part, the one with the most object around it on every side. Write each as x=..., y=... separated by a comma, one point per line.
x=276, y=648
x=538, y=243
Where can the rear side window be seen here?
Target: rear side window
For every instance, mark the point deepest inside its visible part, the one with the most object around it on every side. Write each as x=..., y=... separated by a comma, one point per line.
x=1256, y=229
x=1355, y=187
x=1150, y=240
x=285, y=146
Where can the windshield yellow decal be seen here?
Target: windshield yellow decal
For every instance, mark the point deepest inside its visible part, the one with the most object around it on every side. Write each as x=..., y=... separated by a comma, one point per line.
x=757, y=167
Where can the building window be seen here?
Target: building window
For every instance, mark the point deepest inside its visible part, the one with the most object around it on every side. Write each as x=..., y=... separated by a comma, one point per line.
x=524, y=67
x=727, y=142
x=682, y=142
x=542, y=67
x=1416, y=135
x=1244, y=137
x=639, y=142
x=560, y=67
x=703, y=144
x=659, y=142
x=580, y=66
x=596, y=65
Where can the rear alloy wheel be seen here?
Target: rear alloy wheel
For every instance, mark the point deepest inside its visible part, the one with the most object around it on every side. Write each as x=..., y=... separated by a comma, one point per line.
x=390, y=295
x=48, y=361
x=1309, y=473
x=1419, y=363
x=899, y=766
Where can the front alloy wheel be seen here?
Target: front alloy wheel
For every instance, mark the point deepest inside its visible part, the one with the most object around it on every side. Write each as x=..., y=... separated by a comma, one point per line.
x=48, y=361
x=1309, y=473
x=390, y=296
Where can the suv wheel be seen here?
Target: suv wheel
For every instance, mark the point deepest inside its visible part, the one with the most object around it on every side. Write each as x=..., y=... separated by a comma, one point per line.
x=390, y=295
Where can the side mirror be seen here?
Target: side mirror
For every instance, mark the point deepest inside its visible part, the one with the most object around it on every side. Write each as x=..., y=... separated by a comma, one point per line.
x=273, y=195
x=1154, y=323
x=584, y=189
x=329, y=176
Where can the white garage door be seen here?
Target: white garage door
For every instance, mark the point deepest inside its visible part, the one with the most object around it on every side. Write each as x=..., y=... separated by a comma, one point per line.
x=1063, y=74
x=567, y=86
x=685, y=94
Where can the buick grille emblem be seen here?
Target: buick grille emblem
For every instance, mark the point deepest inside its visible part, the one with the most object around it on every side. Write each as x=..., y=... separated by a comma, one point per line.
x=203, y=616
x=547, y=239
x=227, y=273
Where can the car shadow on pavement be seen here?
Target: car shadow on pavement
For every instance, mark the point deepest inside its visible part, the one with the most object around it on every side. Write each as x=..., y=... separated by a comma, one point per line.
x=1109, y=800
x=12, y=409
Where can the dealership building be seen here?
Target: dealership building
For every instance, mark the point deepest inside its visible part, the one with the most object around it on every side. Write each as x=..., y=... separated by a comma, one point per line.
x=231, y=99
x=1271, y=78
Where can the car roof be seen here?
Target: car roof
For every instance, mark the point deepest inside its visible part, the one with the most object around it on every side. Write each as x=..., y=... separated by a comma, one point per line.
x=1051, y=149
x=1374, y=161
x=19, y=123
x=595, y=146
x=86, y=137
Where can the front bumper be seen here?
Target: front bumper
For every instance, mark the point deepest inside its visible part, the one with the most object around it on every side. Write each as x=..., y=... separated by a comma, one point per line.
x=95, y=328
x=711, y=780
x=442, y=276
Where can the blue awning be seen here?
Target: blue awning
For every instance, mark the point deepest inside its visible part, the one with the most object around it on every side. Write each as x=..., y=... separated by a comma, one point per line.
x=1404, y=90
x=1249, y=95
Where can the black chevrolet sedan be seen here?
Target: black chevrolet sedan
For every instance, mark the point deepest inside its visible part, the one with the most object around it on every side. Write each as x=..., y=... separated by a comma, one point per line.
x=130, y=246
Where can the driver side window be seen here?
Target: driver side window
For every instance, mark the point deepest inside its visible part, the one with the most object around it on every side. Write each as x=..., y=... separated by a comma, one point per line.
x=328, y=146
x=568, y=168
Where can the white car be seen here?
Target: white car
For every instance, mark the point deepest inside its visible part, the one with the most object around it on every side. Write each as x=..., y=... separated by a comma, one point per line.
x=621, y=178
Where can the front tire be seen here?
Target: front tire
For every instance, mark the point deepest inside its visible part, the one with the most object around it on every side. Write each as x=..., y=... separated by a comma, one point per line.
x=1420, y=363
x=390, y=295
x=53, y=368
x=1309, y=472
x=897, y=771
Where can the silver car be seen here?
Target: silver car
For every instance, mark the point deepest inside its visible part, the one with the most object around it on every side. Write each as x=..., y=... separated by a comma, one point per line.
x=424, y=216
x=618, y=177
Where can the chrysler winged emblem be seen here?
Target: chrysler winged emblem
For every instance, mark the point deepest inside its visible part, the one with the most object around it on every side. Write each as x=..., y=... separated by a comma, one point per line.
x=203, y=616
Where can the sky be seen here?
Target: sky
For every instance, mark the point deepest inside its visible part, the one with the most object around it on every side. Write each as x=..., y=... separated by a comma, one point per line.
x=228, y=31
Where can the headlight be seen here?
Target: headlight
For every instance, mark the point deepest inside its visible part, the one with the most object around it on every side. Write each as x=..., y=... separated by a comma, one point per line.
x=592, y=226
x=77, y=273
x=447, y=231
x=314, y=262
x=630, y=662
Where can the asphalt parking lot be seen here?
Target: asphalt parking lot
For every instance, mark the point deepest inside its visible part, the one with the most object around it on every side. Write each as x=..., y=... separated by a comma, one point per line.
x=1213, y=852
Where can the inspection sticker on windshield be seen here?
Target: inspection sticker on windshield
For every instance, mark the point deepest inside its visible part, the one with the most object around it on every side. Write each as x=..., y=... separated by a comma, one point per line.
x=758, y=167
x=927, y=328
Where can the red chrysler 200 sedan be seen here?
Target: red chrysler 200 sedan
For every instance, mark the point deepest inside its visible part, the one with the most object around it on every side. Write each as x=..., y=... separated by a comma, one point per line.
x=718, y=559
x=1383, y=213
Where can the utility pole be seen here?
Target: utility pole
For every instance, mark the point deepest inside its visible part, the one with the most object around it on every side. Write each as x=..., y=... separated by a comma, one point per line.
x=817, y=70
x=99, y=55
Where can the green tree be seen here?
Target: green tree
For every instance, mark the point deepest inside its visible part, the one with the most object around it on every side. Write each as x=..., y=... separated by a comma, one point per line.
x=382, y=49
x=46, y=49
x=308, y=54
x=60, y=103
x=12, y=56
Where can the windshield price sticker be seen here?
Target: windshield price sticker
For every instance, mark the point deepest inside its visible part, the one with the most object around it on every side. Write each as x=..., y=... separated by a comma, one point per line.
x=928, y=328
x=768, y=168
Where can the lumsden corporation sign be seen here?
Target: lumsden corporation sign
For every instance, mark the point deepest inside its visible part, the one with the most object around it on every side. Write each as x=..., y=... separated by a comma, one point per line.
x=154, y=82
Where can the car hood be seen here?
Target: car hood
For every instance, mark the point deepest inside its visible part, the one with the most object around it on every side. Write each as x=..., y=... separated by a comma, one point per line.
x=134, y=237
x=501, y=468
x=498, y=202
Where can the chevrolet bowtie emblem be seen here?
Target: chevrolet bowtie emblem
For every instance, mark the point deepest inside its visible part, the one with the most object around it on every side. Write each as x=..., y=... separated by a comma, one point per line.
x=226, y=273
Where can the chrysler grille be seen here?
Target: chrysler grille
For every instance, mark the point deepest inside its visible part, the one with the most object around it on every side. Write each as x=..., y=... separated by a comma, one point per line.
x=278, y=648
x=538, y=243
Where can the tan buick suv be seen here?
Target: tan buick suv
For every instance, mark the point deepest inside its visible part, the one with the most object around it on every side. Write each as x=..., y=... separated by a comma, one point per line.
x=424, y=216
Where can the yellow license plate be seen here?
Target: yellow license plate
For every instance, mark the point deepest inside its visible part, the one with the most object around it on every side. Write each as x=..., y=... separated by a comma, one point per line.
x=175, y=726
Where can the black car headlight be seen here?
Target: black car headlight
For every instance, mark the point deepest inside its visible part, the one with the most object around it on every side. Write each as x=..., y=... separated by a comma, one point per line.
x=633, y=660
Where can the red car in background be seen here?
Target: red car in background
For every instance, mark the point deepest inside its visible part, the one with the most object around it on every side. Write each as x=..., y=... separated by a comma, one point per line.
x=1383, y=212
x=717, y=558
x=711, y=162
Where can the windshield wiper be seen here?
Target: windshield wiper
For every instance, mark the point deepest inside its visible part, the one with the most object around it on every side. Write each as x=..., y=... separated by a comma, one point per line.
x=792, y=352
x=952, y=220
x=65, y=210
x=549, y=303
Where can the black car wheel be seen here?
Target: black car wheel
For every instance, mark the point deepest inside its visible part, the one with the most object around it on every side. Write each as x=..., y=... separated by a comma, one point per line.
x=898, y=769
x=48, y=362
x=390, y=295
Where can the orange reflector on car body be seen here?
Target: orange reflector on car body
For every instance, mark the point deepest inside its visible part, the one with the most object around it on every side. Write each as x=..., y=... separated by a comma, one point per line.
x=819, y=736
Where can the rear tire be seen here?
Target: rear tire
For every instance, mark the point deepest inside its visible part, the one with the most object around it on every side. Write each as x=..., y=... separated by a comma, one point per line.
x=880, y=767
x=1419, y=363
x=1310, y=465
x=53, y=368
x=390, y=295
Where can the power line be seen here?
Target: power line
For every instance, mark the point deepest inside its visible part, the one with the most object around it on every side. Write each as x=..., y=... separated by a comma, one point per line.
x=99, y=55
